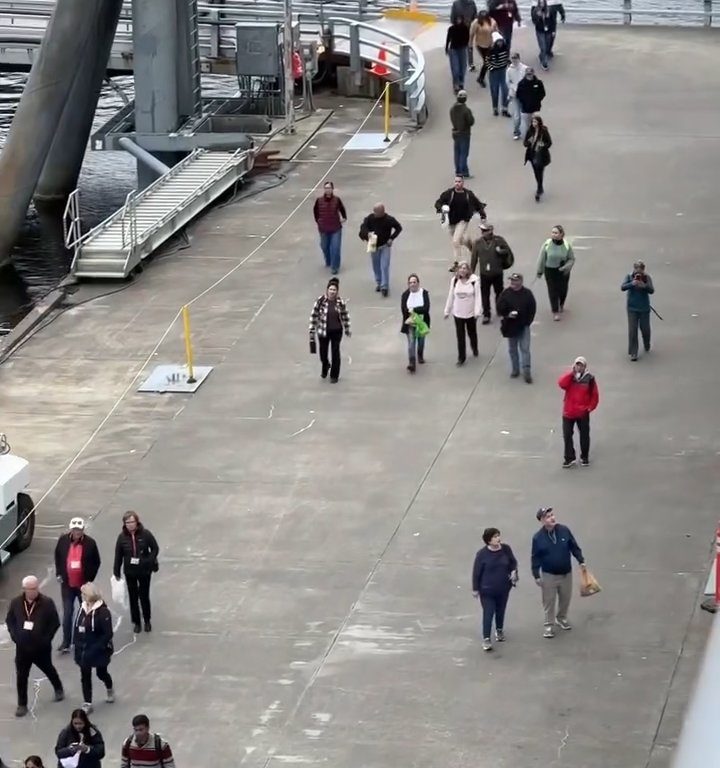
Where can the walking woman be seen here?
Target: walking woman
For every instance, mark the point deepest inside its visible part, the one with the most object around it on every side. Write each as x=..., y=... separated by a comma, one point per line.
x=555, y=263
x=136, y=551
x=83, y=737
x=464, y=303
x=328, y=320
x=494, y=575
x=414, y=301
x=498, y=61
x=537, y=151
x=93, y=643
x=481, y=31
x=456, y=48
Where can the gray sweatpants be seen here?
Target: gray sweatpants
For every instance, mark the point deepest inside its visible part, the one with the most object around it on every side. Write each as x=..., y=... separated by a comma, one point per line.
x=556, y=588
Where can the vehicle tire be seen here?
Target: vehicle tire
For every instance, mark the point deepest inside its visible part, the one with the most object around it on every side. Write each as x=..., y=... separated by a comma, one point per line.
x=26, y=513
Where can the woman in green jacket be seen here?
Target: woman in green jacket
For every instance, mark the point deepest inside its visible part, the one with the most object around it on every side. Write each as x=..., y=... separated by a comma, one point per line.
x=555, y=262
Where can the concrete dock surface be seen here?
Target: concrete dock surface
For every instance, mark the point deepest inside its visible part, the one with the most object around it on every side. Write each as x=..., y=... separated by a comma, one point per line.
x=313, y=604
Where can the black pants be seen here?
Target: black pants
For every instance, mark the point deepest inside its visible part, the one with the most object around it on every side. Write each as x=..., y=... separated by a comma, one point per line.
x=463, y=324
x=486, y=283
x=69, y=596
x=539, y=171
x=332, y=340
x=86, y=680
x=557, y=287
x=583, y=425
x=638, y=320
x=493, y=607
x=139, y=590
x=42, y=659
x=483, y=70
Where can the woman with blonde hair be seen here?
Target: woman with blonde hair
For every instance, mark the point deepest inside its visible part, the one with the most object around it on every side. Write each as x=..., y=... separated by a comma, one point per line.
x=93, y=643
x=136, y=552
x=464, y=303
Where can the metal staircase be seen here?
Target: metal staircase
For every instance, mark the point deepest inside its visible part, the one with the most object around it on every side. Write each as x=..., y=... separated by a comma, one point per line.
x=116, y=246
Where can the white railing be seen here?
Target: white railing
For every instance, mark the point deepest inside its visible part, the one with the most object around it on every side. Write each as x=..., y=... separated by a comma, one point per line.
x=72, y=227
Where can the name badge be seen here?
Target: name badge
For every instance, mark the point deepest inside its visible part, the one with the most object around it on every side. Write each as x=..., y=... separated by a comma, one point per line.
x=28, y=625
x=81, y=628
x=134, y=561
x=75, y=565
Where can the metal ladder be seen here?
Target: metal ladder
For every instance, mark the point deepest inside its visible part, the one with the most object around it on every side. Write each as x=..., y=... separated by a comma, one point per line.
x=195, y=54
x=116, y=246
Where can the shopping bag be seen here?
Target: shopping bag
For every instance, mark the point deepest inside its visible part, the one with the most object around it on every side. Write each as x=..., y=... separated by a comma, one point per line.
x=421, y=327
x=119, y=591
x=72, y=761
x=588, y=584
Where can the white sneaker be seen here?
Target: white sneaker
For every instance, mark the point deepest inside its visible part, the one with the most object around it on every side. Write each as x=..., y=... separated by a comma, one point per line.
x=110, y=696
x=486, y=645
x=563, y=624
x=549, y=631
x=87, y=707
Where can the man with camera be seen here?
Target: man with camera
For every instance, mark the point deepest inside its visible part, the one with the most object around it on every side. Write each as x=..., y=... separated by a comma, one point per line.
x=639, y=286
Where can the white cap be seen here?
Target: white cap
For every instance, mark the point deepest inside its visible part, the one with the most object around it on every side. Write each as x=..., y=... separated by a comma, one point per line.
x=581, y=360
x=77, y=524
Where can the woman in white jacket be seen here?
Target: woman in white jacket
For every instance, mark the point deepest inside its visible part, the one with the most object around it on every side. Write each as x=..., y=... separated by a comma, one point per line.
x=464, y=303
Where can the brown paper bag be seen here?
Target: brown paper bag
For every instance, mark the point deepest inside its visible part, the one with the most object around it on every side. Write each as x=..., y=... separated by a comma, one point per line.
x=588, y=584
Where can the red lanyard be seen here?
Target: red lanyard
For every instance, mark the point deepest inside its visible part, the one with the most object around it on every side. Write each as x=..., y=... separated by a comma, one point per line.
x=134, y=545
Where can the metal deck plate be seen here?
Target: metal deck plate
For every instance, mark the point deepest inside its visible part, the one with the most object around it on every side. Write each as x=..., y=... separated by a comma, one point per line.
x=173, y=378
x=367, y=141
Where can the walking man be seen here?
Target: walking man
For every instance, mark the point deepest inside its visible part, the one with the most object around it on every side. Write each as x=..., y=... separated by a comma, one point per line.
x=581, y=399
x=514, y=74
x=77, y=561
x=380, y=230
x=551, y=567
x=639, y=286
x=516, y=305
x=491, y=255
x=32, y=621
x=468, y=10
x=462, y=120
x=544, y=18
x=530, y=94
x=145, y=749
x=459, y=205
x=330, y=215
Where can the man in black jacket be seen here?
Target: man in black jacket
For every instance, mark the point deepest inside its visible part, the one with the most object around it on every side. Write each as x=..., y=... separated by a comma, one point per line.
x=516, y=305
x=530, y=94
x=380, y=230
x=459, y=205
x=32, y=621
x=77, y=561
x=491, y=255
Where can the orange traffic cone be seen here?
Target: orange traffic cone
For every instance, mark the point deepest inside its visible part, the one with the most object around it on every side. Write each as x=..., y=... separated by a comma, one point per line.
x=380, y=68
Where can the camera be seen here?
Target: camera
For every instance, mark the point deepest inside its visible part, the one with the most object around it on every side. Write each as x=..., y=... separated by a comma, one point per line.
x=640, y=276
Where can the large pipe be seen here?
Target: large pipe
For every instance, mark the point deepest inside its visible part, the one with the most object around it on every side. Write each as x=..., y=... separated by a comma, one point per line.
x=62, y=165
x=69, y=31
x=143, y=156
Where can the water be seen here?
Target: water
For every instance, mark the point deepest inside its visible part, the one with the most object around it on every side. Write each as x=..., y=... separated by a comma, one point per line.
x=40, y=261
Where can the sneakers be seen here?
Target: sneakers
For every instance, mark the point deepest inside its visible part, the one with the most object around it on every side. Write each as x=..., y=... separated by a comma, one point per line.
x=563, y=624
x=537, y=197
x=21, y=711
x=633, y=358
x=411, y=366
x=500, y=635
x=384, y=292
x=59, y=695
x=110, y=696
x=556, y=317
x=472, y=67
x=515, y=374
x=516, y=136
x=137, y=629
x=87, y=707
x=148, y=626
x=486, y=321
x=64, y=648
x=421, y=359
x=584, y=462
x=528, y=377
x=495, y=112
x=549, y=631
x=377, y=288
x=333, y=380
x=505, y=113
x=323, y=375
x=569, y=463
x=486, y=645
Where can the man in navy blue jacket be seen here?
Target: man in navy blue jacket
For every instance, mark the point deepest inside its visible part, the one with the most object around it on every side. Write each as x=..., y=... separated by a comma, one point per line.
x=551, y=568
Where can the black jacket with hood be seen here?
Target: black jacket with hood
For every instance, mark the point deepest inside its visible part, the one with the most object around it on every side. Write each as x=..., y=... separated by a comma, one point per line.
x=94, y=740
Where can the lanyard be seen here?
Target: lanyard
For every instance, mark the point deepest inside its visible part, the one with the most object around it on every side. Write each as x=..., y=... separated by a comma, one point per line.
x=134, y=544
x=29, y=613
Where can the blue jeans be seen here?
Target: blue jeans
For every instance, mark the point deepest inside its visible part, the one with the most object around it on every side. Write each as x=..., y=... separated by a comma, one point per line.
x=461, y=150
x=520, y=344
x=516, y=113
x=69, y=596
x=498, y=87
x=416, y=345
x=381, y=266
x=544, y=41
x=458, y=66
x=493, y=607
x=330, y=244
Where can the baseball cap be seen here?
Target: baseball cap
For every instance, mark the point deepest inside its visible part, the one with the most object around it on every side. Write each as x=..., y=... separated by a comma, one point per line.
x=516, y=276
x=485, y=225
x=515, y=55
x=542, y=512
x=77, y=524
x=462, y=95
x=581, y=360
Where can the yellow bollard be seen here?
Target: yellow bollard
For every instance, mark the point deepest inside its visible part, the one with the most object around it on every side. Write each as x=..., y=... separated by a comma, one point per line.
x=188, y=344
x=387, y=112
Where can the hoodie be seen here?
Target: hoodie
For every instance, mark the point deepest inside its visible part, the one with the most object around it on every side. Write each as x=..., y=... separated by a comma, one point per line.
x=530, y=94
x=93, y=635
x=513, y=76
x=581, y=394
x=462, y=119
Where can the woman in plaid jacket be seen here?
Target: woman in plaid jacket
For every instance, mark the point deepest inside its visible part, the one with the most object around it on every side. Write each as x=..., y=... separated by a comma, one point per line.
x=328, y=319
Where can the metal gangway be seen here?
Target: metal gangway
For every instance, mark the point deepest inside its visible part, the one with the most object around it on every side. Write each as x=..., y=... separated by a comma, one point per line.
x=117, y=246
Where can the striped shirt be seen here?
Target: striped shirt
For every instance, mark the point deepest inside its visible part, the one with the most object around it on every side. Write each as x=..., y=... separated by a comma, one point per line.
x=154, y=753
x=498, y=58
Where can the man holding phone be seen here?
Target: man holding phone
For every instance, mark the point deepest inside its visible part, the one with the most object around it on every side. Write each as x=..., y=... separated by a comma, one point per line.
x=639, y=286
x=581, y=398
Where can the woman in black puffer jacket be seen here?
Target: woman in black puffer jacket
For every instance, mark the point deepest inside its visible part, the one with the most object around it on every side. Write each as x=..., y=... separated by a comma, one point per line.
x=81, y=736
x=136, y=552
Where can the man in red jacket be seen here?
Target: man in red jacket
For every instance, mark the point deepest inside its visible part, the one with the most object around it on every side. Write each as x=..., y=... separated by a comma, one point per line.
x=581, y=397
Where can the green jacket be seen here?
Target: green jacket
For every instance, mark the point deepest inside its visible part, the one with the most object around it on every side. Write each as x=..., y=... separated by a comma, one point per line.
x=556, y=256
x=462, y=119
x=487, y=260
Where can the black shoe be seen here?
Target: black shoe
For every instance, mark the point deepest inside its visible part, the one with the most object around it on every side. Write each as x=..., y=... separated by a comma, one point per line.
x=421, y=359
x=137, y=629
x=59, y=695
x=537, y=197
x=633, y=358
x=64, y=648
x=528, y=378
x=21, y=711
x=333, y=380
x=505, y=113
x=334, y=271
x=384, y=292
x=486, y=321
x=455, y=264
x=148, y=626
x=324, y=371
x=515, y=374
x=481, y=83
x=569, y=463
x=411, y=366
x=460, y=362
x=584, y=462
x=647, y=348
x=495, y=112
x=377, y=288
x=475, y=353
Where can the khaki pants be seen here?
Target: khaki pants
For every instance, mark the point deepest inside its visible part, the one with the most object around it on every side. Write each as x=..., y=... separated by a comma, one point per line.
x=457, y=233
x=556, y=588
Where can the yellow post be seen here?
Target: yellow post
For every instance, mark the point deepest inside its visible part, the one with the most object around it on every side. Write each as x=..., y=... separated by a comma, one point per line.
x=188, y=344
x=387, y=112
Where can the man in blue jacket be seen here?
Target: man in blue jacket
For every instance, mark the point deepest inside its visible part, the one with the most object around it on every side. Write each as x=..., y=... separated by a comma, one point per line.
x=639, y=287
x=551, y=568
